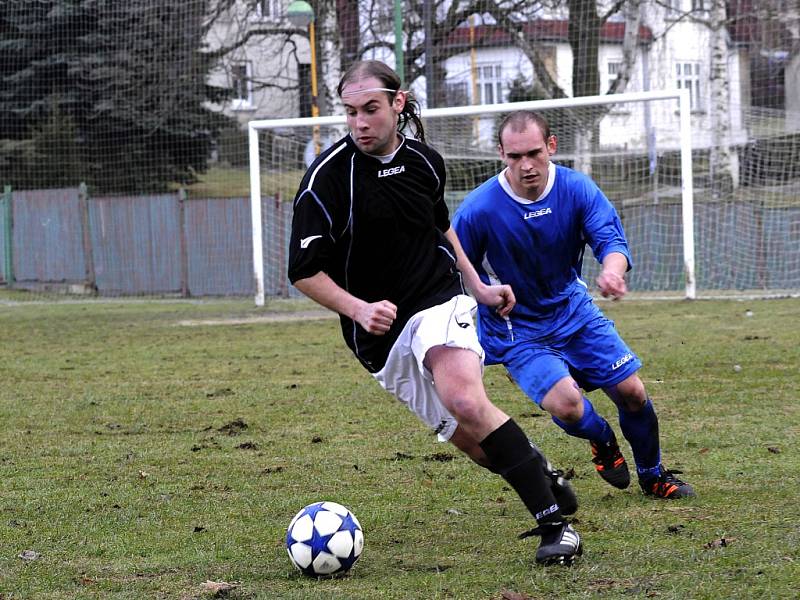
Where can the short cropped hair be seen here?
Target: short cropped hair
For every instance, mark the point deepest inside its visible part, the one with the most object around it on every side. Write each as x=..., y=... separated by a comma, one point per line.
x=519, y=120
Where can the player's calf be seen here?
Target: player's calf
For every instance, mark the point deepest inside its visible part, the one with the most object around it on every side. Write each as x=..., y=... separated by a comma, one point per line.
x=559, y=485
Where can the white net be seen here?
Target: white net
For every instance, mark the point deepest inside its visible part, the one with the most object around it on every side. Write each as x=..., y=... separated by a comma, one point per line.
x=631, y=147
x=746, y=234
x=124, y=146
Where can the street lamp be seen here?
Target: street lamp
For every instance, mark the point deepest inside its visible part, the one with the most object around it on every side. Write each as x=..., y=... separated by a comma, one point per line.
x=301, y=14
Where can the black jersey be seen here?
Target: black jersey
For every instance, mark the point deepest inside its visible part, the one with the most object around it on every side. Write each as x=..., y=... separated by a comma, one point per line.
x=376, y=229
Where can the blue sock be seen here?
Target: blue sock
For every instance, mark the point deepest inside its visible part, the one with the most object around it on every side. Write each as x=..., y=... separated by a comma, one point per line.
x=640, y=428
x=591, y=426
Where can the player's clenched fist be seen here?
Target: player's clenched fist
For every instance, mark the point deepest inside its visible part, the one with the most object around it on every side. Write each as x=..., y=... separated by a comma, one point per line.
x=377, y=317
x=611, y=284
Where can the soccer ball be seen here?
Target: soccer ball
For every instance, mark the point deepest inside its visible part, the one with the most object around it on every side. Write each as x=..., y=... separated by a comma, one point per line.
x=324, y=539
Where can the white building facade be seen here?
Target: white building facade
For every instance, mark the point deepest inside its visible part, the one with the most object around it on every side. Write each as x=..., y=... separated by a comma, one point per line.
x=268, y=74
x=671, y=54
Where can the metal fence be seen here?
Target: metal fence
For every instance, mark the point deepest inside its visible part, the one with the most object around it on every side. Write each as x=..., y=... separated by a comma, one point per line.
x=132, y=245
x=168, y=245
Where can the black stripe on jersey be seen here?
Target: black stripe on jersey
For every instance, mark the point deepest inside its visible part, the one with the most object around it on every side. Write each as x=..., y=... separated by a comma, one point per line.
x=349, y=225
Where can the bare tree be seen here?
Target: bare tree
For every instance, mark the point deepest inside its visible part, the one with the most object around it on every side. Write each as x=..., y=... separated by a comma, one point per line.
x=720, y=155
x=234, y=26
x=330, y=55
x=586, y=20
x=377, y=32
x=718, y=16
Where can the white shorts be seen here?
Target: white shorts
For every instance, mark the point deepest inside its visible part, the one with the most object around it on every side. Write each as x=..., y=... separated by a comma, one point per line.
x=405, y=376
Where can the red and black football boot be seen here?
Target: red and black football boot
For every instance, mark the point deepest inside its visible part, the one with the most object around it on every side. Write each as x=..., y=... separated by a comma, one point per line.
x=610, y=464
x=666, y=485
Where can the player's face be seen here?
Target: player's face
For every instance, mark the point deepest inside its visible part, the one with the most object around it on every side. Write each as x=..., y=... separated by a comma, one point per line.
x=371, y=116
x=527, y=156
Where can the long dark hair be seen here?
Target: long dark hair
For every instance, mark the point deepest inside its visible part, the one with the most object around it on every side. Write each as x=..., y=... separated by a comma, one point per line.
x=382, y=72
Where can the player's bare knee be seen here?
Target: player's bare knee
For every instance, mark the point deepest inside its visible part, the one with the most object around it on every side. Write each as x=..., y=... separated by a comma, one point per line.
x=475, y=412
x=630, y=394
x=564, y=404
x=570, y=410
x=466, y=410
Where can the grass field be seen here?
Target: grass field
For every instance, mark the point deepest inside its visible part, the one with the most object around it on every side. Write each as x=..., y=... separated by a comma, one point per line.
x=143, y=453
x=227, y=182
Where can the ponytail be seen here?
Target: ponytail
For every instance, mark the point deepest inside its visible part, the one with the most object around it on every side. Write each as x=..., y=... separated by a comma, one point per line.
x=410, y=114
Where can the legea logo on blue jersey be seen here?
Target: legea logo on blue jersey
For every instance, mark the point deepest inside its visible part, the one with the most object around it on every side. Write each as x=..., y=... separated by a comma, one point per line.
x=537, y=213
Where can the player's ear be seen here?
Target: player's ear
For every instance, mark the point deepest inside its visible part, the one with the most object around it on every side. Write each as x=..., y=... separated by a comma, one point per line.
x=399, y=102
x=501, y=152
x=552, y=144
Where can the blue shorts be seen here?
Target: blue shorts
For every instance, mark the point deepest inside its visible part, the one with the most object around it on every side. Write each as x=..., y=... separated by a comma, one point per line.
x=595, y=356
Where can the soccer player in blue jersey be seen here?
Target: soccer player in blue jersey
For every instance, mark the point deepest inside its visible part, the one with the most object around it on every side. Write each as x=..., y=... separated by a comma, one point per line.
x=528, y=227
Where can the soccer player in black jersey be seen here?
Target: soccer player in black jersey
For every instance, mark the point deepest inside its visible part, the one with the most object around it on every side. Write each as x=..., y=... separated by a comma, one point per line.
x=371, y=240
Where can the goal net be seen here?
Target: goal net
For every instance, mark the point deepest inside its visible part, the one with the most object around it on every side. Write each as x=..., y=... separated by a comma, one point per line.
x=636, y=146
x=705, y=215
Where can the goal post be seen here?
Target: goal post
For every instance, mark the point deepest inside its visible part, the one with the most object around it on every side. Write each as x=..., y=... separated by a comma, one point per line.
x=466, y=138
x=254, y=158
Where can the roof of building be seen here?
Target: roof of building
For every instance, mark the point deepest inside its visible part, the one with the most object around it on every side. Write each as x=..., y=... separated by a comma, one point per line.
x=550, y=30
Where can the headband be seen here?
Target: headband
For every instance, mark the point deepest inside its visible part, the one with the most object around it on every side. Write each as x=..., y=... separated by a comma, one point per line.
x=375, y=89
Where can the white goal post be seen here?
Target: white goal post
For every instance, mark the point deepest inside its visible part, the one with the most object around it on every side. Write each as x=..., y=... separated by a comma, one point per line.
x=488, y=113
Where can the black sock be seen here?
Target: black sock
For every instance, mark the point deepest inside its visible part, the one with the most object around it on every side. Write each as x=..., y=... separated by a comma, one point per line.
x=511, y=455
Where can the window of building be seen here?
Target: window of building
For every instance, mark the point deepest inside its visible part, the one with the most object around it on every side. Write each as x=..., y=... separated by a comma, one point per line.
x=699, y=5
x=242, y=85
x=613, y=69
x=269, y=9
x=457, y=93
x=490, y=84
x=688, y=78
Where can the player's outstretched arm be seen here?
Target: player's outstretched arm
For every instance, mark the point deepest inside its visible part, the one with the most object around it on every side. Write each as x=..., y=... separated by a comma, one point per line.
x=374, y=317
x=611, y=280
x=499, y=296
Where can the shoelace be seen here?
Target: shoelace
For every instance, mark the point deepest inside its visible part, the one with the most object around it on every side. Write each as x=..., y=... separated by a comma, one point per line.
x=670, y=473
x=668, y=476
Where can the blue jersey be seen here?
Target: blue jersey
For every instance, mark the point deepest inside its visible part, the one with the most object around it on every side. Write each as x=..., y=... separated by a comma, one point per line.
x=537, y=248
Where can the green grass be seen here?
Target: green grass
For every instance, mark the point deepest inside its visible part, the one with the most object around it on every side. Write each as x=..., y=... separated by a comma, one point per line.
x=228, y=182
x=118, y=469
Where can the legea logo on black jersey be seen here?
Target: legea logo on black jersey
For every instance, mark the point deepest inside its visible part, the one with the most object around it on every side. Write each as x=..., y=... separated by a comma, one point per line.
x=392, y=171
x=537, y=213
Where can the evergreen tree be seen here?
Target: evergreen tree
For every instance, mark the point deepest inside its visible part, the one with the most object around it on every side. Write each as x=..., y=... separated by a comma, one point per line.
x=125, y=80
